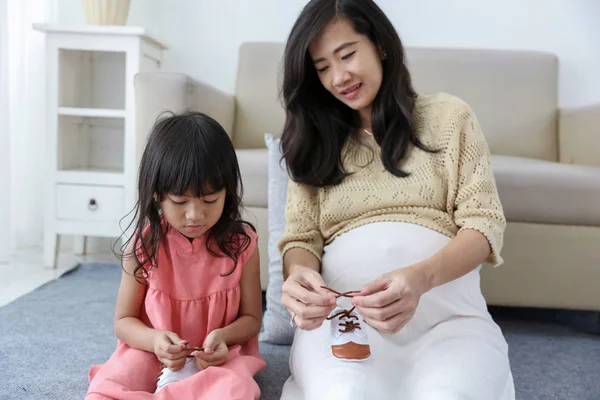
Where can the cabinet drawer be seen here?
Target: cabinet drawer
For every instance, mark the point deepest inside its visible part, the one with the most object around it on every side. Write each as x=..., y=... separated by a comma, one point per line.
x=89, y=203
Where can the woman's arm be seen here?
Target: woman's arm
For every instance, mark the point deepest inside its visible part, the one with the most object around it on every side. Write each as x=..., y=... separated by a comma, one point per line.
x=462, y=255
x=301, y=247
x=389, y=302
x=298, y=258
x=473, y=199
x=302, y=242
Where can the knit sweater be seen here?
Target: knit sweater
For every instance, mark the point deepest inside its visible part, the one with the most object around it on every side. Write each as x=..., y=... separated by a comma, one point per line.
x=448, y=191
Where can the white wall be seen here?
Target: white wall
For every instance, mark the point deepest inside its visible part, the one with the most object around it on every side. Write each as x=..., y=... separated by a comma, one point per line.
x=141, y=13
x=205, y=34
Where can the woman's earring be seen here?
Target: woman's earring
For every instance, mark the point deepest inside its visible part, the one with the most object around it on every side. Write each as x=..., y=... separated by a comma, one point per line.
x=384, y=55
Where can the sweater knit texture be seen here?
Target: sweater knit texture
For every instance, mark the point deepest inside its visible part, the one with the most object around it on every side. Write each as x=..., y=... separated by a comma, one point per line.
x=448, y=191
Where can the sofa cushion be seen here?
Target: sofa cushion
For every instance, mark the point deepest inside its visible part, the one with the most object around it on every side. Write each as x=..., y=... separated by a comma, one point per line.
x=254, y=171
x=521, y=84
x=547, y=192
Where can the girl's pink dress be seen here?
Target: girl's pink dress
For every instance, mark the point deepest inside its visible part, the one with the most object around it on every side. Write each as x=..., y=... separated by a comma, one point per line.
x=185, y=295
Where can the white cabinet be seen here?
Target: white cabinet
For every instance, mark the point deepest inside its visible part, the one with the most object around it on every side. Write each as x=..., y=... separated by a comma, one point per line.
x=92, y=152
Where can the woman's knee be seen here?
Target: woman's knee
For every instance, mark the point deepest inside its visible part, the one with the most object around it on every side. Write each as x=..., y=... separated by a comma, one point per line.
x=443, y=392
x=340, y=391
x=356, y=385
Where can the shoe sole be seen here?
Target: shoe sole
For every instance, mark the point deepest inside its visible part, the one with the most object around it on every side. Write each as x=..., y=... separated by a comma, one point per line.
x=351, y=360
x=351, y=351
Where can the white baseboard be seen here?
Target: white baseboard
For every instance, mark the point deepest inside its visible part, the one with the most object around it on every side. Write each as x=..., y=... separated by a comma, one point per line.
x=95, y=245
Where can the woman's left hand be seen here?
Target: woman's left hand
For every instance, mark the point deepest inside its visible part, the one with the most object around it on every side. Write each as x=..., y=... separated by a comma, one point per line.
x=215, y=351
x=390, y=301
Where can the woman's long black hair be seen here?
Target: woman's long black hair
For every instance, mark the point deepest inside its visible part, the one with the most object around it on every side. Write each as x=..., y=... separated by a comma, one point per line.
x=318, y=124
x=189, y=151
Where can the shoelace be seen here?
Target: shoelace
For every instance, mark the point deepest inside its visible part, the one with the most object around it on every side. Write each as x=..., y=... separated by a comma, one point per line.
x=348, y=324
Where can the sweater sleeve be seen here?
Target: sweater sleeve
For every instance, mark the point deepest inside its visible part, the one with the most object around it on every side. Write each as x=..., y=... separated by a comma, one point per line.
x=301, y=216
x=473, y=195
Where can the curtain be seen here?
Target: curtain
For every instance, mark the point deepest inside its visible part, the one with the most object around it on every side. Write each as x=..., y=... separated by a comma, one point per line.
x=27, y=118
x=5, y=192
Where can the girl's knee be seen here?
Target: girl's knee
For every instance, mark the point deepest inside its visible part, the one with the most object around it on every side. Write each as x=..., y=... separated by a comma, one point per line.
x=96, y=396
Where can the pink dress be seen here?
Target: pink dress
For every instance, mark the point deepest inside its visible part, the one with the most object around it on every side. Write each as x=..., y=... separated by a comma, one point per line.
x=185, y=295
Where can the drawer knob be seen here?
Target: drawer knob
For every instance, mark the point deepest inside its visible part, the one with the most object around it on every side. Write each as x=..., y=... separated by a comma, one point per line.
x=93, y=205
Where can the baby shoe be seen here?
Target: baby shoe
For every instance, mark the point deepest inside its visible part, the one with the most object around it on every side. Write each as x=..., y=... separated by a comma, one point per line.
x=167, y=376
x=348, y=341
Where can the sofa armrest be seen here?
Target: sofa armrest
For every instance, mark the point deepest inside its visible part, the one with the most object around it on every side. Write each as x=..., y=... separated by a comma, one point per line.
x=579, y=135
x=157, y=92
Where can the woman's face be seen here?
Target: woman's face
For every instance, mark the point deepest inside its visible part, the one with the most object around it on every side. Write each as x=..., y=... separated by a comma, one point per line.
x=348, y=65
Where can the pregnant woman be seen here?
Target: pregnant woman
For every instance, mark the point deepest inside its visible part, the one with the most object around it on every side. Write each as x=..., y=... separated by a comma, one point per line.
x=392, y=196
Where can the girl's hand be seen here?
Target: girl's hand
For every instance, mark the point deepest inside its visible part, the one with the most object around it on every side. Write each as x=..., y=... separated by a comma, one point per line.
x=305, y=300
x=390, y=301
x=215, y=351
x=169, y=350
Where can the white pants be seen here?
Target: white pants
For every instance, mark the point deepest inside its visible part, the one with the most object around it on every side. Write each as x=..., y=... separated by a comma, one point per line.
x=451, y=349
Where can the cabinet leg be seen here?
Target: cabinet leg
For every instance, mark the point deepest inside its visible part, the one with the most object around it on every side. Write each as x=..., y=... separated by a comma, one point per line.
x=80, y=245
x=51, y=244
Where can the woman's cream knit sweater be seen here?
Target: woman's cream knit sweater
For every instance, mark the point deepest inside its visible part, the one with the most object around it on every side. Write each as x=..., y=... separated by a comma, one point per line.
x=447, y=191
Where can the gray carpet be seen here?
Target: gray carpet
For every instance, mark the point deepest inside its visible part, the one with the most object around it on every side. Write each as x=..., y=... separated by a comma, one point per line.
x=50, y=337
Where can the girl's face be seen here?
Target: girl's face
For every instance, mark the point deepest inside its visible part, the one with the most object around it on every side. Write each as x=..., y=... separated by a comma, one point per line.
x=348, y=65
x=193, y=216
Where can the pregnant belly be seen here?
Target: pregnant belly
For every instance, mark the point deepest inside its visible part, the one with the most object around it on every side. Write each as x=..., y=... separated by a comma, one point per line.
x=360, y=255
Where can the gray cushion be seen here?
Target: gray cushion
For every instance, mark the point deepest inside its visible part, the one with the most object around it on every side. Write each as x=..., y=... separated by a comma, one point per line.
x=276, y=328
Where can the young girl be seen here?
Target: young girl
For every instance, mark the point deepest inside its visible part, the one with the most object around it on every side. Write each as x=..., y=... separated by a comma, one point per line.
x=189, y=305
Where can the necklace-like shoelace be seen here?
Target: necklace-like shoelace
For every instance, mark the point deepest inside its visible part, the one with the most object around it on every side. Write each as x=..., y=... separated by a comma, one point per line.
x=348, y=325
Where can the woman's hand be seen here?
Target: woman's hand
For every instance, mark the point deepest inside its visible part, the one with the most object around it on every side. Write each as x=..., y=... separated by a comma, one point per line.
x=169, y=350
x=305, y=300
x=390, y=301
x=215, y=351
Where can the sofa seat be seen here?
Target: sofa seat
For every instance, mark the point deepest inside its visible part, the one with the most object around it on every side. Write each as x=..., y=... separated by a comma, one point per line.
x=547, y=192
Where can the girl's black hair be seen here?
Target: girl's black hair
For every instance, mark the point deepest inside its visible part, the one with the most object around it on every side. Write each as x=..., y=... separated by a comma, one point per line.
x=189, y=151
x=317, y=124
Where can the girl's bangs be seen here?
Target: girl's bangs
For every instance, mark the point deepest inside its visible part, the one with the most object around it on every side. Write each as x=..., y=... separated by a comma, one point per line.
x=195, y=172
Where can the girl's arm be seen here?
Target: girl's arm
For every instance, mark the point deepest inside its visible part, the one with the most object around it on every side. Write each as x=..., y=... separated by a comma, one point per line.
x=248, y=323
x=127, y=323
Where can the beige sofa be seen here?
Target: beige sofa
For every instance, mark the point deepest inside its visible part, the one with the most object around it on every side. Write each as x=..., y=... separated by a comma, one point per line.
x=546, y=159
